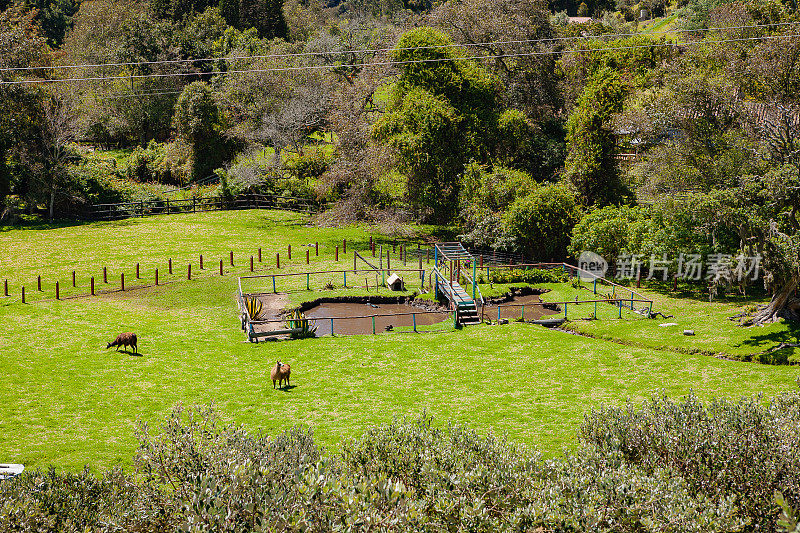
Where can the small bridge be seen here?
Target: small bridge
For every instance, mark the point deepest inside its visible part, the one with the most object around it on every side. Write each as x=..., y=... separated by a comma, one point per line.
x=449, y=258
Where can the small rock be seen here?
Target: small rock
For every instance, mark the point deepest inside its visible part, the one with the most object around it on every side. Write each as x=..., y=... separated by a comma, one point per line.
x=688, y=332
x=667, y=324
x=503, y=321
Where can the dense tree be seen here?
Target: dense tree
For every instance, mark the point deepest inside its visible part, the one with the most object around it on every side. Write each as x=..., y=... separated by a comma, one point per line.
x=426, y=132
x=20, y=46
x=511, y=33
x=539, y=224
x=590, y=165
x=198, y=124
x=54, y=18
x=441, y=114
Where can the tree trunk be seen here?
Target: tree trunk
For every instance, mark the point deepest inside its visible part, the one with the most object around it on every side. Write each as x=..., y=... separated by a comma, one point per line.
x=783, y=305
x=52, y=202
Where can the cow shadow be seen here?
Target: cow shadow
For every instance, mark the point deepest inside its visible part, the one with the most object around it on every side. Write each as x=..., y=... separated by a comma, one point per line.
x=286, y=388
x=130, y=353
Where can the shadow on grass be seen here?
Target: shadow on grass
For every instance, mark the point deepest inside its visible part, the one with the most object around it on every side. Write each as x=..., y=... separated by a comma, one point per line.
x=286, y=388
x=699, y=292
x=36, y=224
x=770, y=342
x=130, y=353
x=774, y=338
x=784, y=356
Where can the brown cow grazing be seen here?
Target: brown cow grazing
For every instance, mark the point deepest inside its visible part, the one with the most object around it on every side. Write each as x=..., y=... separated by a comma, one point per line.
x=280, y=372
x=125, y=340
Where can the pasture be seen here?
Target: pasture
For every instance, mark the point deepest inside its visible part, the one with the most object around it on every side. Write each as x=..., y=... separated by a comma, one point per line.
x=67, y=401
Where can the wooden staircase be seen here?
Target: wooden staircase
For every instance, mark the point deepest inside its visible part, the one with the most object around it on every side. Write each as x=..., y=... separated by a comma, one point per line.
x=465, y=307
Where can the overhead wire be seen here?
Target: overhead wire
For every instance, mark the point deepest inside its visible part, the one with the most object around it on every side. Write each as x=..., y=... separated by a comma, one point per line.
x=377, y=50
x=389, y=63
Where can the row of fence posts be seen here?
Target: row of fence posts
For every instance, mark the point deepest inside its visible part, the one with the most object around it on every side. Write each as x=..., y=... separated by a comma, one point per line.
x=374, y=249
x=6, y=293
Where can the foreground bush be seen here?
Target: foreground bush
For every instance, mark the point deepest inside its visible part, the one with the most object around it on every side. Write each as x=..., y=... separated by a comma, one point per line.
x=666, y=467
x=743, y=450
x=531, y=275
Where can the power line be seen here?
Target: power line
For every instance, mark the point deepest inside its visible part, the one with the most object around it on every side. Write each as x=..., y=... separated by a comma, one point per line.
x=376, y=50
x=394, y=63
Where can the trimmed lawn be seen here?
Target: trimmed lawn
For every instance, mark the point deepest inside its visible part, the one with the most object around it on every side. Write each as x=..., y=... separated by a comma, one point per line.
x=67, y=401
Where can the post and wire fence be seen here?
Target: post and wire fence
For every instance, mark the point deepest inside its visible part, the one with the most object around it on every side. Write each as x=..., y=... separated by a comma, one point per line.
x=200, y=204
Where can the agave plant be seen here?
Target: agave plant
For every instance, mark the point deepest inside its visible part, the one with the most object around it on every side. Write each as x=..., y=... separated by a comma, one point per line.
x=298, y=321
x=254, y=307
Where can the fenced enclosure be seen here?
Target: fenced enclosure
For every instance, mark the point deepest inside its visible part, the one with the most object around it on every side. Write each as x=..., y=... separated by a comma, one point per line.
x=410, y=319
x=606, y=293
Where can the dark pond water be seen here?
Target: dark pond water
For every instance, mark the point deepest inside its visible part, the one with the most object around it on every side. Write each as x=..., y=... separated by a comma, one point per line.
x=356, y=318
x=513, y=309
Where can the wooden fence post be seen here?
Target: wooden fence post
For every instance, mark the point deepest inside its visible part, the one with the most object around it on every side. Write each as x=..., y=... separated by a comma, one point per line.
x=354, y=261
x=58, y=296
x=23, y=294
x=289, y=254
x=259, y=255
x=122, y=281
x=308, y=257
x=388, y=261
x=221, y=273
x=251, y=263
x=277, y=260
x=344, y=246
x=73, y=278
x=5, y=288
x=92, y=285
x=170, y=265
x=337, y=253
x=156, y=277
x=189, y=271
x=39, y=283
x=137, y=270
x=316, y=248
x=201, y=261
x=231, y=257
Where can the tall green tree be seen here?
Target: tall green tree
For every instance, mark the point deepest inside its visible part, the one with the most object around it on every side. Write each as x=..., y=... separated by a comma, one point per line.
x=591, y=145
x=20, y=46
x=441, y=114
x=198, y=123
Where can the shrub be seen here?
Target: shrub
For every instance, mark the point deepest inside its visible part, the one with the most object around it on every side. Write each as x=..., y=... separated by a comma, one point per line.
x=532, y=275
x=159, y=162
x=740, y=450
x=540, y=223
x=666, y=467
x=311, y=164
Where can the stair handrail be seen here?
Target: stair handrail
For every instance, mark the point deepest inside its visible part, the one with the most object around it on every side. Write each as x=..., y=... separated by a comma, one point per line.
x=448, y=287
x=477, y=288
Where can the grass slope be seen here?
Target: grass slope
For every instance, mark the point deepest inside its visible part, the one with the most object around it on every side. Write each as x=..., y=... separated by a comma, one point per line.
x=67, y=401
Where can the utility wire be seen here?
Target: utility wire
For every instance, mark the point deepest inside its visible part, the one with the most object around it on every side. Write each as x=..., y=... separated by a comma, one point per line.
x=376, y=50
x=394, y=63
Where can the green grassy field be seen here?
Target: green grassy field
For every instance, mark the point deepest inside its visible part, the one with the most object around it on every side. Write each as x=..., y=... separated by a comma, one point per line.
x=67, y=401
